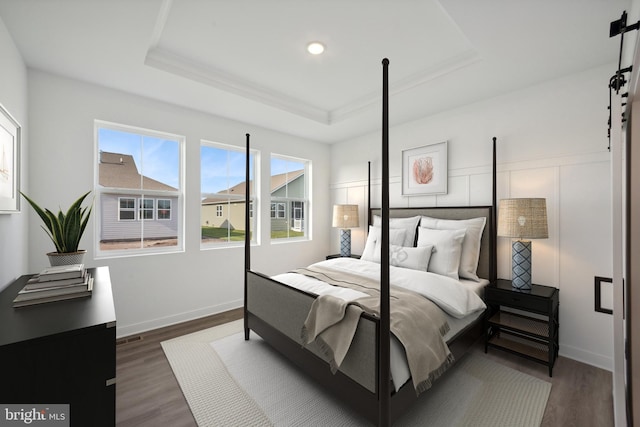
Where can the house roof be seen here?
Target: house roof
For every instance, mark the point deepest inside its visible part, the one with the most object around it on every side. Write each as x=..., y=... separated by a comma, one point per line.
x=277, y=182
x=119, y=170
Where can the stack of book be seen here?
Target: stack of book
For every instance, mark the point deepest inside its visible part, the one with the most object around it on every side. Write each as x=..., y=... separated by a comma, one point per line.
x=55, y=284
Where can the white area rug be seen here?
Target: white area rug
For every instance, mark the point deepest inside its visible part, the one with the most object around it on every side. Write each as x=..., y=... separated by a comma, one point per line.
x=231, y=382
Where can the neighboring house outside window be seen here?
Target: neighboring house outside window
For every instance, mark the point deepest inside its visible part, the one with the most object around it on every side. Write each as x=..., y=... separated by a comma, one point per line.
x=139, y=195
x=290, y=181
x=223, y=194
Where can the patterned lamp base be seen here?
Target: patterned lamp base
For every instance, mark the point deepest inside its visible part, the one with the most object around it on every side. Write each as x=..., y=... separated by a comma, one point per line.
x=345, y=242
x=521, y=264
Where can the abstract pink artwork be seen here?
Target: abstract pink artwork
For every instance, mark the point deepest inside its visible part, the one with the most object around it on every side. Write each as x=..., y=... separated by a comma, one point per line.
x=424, y=170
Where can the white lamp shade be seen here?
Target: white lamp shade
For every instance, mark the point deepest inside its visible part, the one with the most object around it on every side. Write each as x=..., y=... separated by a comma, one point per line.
x=345, y=216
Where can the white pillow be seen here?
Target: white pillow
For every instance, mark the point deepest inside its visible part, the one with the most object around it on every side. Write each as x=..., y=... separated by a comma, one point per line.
x=408, y=224
x=470, y=244
x=445, y=260
x=372, y=248
x=413, y=258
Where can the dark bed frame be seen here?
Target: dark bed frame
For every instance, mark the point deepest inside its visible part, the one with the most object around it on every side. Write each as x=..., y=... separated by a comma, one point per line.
x=276, y=312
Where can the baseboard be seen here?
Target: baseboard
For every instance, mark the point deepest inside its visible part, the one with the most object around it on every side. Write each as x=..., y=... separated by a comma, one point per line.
x=138, y=328
x=593, y=359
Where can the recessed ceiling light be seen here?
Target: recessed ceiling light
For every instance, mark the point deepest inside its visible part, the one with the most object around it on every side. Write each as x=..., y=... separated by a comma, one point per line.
x=315, y=48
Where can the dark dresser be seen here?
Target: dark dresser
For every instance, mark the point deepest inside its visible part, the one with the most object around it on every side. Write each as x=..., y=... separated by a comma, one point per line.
x=61, y=352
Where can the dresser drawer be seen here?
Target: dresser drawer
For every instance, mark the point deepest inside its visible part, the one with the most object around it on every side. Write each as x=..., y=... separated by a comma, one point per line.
x=517, y=300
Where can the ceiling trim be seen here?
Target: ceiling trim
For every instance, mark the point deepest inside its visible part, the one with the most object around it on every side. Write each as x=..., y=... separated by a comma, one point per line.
x=173, y=63
x=462, y=60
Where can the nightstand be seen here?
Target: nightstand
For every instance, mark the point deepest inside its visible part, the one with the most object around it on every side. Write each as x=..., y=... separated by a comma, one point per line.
x=531, y=330
x=332, y=256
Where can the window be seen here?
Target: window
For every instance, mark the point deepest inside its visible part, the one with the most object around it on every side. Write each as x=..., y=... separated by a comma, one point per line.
x=278, y=210
x=146, y=208
x=164, y=209
x=127, y=209
x=139, y=193
x=223, y=188
x=290, y=180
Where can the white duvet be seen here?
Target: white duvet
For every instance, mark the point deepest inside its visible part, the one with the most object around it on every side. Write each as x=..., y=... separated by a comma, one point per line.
x=457, y=299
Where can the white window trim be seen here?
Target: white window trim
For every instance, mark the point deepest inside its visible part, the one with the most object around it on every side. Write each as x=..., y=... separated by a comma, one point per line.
x=98, y=191
x=307, y=222
x=253, y=200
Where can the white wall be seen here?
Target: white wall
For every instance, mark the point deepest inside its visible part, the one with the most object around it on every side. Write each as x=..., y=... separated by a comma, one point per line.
x=552, y=143
x=152, y=291
x=13, y=96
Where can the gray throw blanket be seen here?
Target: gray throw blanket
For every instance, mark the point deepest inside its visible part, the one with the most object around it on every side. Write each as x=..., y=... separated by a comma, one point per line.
x=418, y=324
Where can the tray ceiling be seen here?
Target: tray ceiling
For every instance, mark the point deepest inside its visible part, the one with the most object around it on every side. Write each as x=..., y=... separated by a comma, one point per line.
x=246, y=60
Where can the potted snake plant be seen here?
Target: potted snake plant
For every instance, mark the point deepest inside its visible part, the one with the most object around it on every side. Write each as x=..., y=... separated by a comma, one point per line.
x=65, y=230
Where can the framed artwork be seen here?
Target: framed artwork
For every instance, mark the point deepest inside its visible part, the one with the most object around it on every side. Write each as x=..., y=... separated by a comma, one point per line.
x=424, y=170
x=9, y=163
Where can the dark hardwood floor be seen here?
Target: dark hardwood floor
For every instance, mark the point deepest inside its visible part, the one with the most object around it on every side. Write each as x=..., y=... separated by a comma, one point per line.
x=147, y=393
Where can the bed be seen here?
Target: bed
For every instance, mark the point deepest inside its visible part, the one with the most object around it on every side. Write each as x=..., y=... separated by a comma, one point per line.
x=374, y=377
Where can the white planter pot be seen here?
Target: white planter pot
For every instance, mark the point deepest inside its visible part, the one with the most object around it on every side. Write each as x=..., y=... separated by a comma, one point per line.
x=56, y=258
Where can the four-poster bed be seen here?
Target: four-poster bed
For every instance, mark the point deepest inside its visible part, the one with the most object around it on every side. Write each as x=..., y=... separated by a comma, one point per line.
x=277, y=308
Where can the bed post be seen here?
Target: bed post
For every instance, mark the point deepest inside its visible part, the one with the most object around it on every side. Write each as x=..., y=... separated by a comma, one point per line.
x=493, y=267
x=368, y=195
x=384, y=391
x=247, y=237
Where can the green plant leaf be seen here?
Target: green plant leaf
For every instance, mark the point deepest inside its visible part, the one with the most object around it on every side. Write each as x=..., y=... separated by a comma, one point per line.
x=64, y=229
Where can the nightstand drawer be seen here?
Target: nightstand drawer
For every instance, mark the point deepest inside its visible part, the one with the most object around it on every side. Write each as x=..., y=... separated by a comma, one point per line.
x=517, y=300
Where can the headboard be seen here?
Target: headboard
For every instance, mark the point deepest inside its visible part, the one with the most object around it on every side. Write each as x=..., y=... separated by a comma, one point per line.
x=487, y=264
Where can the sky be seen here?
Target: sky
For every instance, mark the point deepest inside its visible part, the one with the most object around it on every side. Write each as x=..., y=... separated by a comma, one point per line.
x=154, y=157
x=221, y=169
x=158, y=158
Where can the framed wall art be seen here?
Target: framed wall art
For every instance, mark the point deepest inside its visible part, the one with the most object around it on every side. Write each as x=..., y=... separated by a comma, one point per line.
x=424, y=170
x=9, y=163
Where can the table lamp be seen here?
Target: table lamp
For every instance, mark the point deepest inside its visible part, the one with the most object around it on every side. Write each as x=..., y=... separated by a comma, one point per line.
x=345, y=217
x=522, y=219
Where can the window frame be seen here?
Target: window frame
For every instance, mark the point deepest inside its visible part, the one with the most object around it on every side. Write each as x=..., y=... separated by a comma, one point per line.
x=232, y=198
x=288, y=201
x=176, y=196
